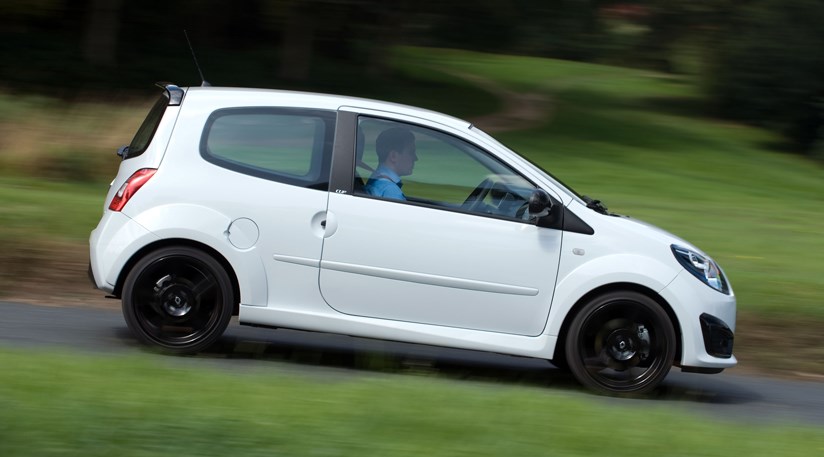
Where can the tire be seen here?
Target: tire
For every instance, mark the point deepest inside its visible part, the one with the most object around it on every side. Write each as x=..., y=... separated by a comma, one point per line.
x=620, y=343
x=178, y=299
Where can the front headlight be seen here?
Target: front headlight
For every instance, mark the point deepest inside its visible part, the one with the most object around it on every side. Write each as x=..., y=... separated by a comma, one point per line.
x=702, y=267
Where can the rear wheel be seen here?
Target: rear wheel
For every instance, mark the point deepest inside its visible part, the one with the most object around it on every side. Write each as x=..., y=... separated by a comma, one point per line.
x=621, y=343
x=179, y=299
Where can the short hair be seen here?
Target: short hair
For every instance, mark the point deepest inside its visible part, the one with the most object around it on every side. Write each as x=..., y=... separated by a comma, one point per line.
x=396, y=138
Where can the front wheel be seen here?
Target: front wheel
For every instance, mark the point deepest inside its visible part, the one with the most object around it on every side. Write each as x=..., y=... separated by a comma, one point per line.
x=179, y=299
x=621, y=343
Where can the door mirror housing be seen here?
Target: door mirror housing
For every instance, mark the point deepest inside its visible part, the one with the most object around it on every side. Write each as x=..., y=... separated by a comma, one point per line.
x=540, y=204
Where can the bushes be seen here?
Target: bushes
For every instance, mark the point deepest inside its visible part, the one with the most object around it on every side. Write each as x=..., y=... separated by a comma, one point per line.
x=74, y=165
x=65, y=140
x=67, y=164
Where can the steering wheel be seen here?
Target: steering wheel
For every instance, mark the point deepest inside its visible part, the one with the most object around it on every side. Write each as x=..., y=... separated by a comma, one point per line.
x=475, y=199
x=523, y=212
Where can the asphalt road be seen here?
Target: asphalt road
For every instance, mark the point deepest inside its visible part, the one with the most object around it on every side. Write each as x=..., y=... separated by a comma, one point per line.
x=725, y=396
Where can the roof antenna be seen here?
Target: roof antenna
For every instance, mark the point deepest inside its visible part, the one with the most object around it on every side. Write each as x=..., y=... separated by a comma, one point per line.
x=203, y=83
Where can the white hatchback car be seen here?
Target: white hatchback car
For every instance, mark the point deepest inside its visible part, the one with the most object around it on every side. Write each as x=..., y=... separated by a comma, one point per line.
x=287, y=209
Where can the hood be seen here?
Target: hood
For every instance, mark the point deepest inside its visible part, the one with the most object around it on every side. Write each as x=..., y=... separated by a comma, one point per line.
x=642, y=233
x=653, y=231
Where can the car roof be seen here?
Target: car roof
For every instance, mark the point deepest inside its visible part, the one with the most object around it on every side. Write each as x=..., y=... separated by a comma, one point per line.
x=237, y=96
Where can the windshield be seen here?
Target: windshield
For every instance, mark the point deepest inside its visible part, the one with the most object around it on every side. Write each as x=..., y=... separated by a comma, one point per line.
x=494, y=141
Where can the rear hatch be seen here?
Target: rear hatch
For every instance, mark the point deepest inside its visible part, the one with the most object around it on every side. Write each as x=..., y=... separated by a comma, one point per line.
x=146, y=150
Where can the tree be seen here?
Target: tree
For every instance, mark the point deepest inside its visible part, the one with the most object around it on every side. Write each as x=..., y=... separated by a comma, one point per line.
x=297, y=40
x=103, y=23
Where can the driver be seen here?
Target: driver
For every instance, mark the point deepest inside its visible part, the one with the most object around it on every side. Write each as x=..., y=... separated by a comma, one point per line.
x=396, y=158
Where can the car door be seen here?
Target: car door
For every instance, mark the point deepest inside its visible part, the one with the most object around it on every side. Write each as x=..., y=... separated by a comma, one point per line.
x=458, y=251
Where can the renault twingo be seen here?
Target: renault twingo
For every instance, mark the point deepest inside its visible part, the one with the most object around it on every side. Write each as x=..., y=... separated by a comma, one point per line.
x=258, y=203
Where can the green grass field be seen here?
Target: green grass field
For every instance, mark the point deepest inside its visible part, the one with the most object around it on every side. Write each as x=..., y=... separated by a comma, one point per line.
x=141, y=406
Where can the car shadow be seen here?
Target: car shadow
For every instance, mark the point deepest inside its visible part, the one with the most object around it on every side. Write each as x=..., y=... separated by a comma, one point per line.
x=705, y=389
x=344, y=356
x=361, y=355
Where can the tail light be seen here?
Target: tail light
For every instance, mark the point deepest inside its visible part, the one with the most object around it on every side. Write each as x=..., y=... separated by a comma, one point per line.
x=130, y=187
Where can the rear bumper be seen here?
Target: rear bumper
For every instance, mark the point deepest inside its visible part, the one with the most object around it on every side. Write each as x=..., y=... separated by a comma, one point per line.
x=111, y=245
x=91, y=275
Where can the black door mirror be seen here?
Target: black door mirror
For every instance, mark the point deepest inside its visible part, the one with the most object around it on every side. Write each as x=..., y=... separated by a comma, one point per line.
x=540, y=204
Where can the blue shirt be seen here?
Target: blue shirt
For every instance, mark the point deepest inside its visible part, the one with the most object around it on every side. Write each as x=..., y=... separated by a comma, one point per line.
x=385, y=183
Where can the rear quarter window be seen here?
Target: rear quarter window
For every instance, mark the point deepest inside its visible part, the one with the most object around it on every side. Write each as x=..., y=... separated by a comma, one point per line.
x=284, y=145
x=148, y=128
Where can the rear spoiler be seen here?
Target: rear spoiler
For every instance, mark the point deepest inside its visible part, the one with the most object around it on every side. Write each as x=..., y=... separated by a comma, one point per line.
x=174, y=92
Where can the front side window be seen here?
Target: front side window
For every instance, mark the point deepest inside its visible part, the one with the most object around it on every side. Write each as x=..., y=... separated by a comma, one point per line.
x=405, y=162
x=284, y=145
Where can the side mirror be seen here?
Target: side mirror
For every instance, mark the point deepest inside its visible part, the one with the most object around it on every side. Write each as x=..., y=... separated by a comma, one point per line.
x=540, y=204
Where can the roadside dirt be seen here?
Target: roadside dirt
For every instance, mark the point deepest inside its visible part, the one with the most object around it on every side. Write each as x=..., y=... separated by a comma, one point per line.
x=785, y=346
x=54, y=274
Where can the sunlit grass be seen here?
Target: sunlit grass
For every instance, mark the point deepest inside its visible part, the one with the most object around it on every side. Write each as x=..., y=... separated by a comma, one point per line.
x=53, y=404
x=35, y=208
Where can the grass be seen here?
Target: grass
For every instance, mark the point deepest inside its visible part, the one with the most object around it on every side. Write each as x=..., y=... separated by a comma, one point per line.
x=49, y=209
x=135, y=406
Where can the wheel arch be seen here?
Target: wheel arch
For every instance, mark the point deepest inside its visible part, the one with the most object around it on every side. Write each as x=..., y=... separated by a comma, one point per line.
x=558, y=355
x=169, y=242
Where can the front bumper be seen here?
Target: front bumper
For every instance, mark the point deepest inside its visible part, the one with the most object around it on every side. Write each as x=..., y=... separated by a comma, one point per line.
x=718, y=337
x=707, y=322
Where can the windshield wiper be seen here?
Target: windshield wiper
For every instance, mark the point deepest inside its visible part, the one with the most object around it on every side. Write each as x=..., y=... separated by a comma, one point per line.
x=595, y=205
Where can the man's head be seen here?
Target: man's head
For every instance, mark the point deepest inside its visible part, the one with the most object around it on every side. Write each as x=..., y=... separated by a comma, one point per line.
x=396, y=150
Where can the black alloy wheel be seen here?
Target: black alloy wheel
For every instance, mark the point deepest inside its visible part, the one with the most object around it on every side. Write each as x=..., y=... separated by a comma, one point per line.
x=621, y=343
x=179, y=299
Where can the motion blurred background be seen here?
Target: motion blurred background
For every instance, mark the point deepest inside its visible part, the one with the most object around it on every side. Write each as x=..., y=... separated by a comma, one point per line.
x=701, y=116
x=756, y=60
